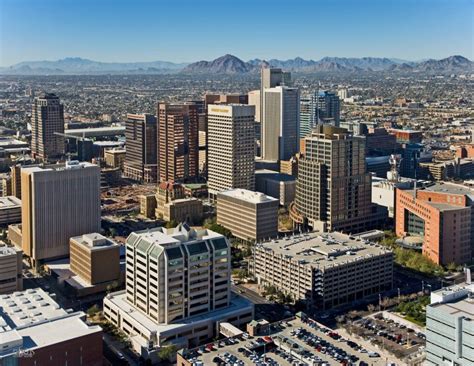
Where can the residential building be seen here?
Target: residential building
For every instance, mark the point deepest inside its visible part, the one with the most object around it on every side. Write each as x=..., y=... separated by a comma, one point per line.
x=325, y=270
x=333, y=189
x=10, y=210
x=280, y=126
x=34, y=326
x=178, y=148
x=442, y=216
x=47, y=119
x=177, y=289
x=231, y=147
x=11, y=265
x=95, y=258
x=450, y=326
x=248, y=215
x=58, y=202
x=141, y=148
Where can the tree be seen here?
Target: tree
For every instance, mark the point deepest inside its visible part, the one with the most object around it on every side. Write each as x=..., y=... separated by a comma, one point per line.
x=92, y=311
x=167, y=352
x=171, y=224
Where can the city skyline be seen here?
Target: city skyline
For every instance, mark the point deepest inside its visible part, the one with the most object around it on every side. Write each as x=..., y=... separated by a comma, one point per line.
x=410, y=30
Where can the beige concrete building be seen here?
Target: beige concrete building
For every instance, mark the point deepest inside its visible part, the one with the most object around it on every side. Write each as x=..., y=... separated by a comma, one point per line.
x=333, y=189
x=248, y=215
x=231, y=147
x=10, y=210
x=11, y=279
x=254, y=99
x=147, y=205
x=58, y=202
x=177, y=289
x=324, y=269
x=165, y=193
x=114, y=158
x=188, y=210
x=95, y=258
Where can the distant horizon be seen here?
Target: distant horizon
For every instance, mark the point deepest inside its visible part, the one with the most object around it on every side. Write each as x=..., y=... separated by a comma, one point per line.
x=186, y=31
x=245, y=60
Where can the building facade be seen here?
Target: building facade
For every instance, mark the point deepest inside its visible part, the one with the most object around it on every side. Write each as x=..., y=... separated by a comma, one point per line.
x=177, y=288
x=178, y=148
x=10, y=210
x=231, y=147
x=58, y=202
x=450, y=326
x=11, y=265
x=141, y=148
x=248, y=215
x=95, y=258
x=280, y=127
x=47, y=119
x=324, y=270
x=442, y=216
x=333, y=189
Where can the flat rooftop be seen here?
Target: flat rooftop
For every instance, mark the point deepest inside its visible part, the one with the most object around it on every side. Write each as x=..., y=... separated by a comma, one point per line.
x=457, y=306
x=237, y=303
x=31, y=319
x=94, y=241
x=247, y=196
x=4, y=250
x=323, y=250
x=450, y=188
x=9, y=202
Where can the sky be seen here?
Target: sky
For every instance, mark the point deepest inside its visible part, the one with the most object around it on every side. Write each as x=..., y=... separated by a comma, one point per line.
x=193, y=30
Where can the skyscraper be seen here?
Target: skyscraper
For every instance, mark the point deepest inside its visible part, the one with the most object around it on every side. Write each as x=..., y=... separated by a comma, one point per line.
x=47, y=118
x=328, y=108
x=280, y=128
x=58, y=202
x=231, y=149
x=178, y=149
x=333, y=189
x=319, y=108
x=140, y=156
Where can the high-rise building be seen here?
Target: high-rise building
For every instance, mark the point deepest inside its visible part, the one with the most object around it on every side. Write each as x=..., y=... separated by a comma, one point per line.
x=328, y=108
x=47, y=119
x=177, y=289
x=319, y=108
x=231, y=149
x=333, y=189
x=141, y=148
x=280, y=127
x=178, y=148
x=269, y=78
x=58, y=202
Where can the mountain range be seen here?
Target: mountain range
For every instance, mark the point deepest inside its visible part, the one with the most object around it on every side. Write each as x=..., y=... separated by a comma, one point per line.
x=229, y=64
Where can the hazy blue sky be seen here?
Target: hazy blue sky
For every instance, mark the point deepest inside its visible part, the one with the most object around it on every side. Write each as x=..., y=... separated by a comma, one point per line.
x=190, y=30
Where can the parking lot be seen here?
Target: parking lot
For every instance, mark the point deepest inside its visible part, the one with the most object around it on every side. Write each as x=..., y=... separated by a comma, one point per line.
x=297, y=342
x=400, y=340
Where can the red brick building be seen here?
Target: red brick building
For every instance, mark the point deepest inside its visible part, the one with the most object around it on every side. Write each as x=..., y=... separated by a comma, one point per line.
x=442, y=216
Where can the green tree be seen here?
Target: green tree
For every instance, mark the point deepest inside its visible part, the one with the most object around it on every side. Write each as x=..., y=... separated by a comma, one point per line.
x=167, y=352
x=93, y=310
x=171, y=224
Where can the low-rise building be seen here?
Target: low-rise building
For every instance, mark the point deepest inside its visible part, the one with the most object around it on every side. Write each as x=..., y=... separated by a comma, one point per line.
x=188, y=210
x=10, y=269
x=450, y=326
x=34, y=326
x=114, y=158
x=248, y=215
x=324, y=269
x=275, y=184
x=10, y=210
x=95, y=258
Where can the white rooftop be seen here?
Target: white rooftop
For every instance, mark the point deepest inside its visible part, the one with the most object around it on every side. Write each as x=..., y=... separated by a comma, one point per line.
x=9, y=202
x=4, y=250
x=247, y=196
